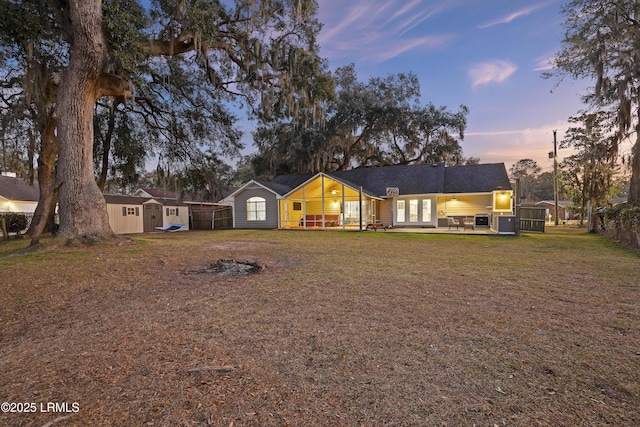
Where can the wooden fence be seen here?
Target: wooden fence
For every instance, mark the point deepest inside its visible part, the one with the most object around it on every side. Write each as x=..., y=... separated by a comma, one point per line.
x=532, y=219
x=208, y=219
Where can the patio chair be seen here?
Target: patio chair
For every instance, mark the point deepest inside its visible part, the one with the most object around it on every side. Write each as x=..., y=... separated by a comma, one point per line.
x=468, y=223
x=451, y=221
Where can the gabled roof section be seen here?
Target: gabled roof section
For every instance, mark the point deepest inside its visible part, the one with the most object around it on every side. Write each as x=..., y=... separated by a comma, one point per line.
x=481, y=178
x=18, y=189
x=332, y=176
x=277, y=189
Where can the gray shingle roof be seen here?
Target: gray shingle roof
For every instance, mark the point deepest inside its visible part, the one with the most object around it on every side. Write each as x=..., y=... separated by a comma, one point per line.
x=278, y=188
x=292, y=181
x=415, y=179
x=18, y=189
x=476, y=178
x=409, y=179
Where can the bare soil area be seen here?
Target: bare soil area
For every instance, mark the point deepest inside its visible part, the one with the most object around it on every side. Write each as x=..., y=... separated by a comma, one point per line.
x=330, y=329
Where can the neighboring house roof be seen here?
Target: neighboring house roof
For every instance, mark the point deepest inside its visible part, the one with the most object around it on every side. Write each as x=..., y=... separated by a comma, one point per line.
x=188, y=197
x=166, y=201
x=415, y=179
x=561, y=203
x=156, y=192
x=18, y=189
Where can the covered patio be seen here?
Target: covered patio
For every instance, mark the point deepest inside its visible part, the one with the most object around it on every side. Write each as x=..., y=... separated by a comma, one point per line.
x=323, y=202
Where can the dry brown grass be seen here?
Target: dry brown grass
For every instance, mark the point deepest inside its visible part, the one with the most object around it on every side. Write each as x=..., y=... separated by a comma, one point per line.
x=340, y=329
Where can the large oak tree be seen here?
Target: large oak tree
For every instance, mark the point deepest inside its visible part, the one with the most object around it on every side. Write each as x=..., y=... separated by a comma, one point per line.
x=261, y=52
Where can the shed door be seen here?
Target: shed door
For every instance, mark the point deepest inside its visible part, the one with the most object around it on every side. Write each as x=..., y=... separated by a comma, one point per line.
x=152, y=217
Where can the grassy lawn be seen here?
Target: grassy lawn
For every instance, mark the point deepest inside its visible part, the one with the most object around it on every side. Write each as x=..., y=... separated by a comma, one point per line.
x=339, y=329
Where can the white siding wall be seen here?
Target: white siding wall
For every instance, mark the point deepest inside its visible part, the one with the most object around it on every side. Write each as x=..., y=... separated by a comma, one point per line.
x=125, y=224
x=17, y=206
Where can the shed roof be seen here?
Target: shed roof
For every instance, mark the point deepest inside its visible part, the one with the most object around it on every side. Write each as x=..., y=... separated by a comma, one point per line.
x=18, y=189
x=124, y=199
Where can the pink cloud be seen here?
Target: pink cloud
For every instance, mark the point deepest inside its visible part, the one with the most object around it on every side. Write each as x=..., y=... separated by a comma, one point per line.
x=374, y=31
x=512, y=16
x=491, y=72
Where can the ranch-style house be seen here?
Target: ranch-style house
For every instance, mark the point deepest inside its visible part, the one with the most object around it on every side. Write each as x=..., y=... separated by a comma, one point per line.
x=425, y=195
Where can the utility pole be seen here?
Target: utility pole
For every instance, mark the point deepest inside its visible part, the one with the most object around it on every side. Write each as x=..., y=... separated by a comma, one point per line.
x=555, y=175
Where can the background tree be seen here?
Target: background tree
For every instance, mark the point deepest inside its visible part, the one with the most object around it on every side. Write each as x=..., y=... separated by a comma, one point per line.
x=377, y=123
x=13, y=150
x=527, y=170
x=32, y=57
x=588, y=175
x=601, y=43
x=543, y=187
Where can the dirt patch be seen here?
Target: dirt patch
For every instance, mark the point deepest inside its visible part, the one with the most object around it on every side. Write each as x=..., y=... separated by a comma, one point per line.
x=229, y=267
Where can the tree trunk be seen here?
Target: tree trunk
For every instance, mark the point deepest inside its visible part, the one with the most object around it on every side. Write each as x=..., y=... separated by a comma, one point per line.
x=634, y=187
x=106, y=147
x=83, y=212
x=46, y=179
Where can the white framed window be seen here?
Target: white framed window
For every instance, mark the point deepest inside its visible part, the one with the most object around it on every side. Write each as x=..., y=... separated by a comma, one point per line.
x=351, y=212
x=413, y=210
x=126, y=211
x=400, y=208
x=426, y=210
x=256, y=209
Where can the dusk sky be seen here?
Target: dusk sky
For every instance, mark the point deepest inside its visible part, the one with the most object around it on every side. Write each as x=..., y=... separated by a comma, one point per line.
x=486, y=54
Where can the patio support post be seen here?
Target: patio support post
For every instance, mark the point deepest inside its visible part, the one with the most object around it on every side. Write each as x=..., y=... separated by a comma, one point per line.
x=304, y=208
x=360, y=207
x=516, y=200
x=344, y=220
x=555, y=176
x=322, y=190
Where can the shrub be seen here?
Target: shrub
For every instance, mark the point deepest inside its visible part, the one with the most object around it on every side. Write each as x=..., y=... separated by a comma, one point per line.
x=624, y=216
x=625, y=219
x=15, y=222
